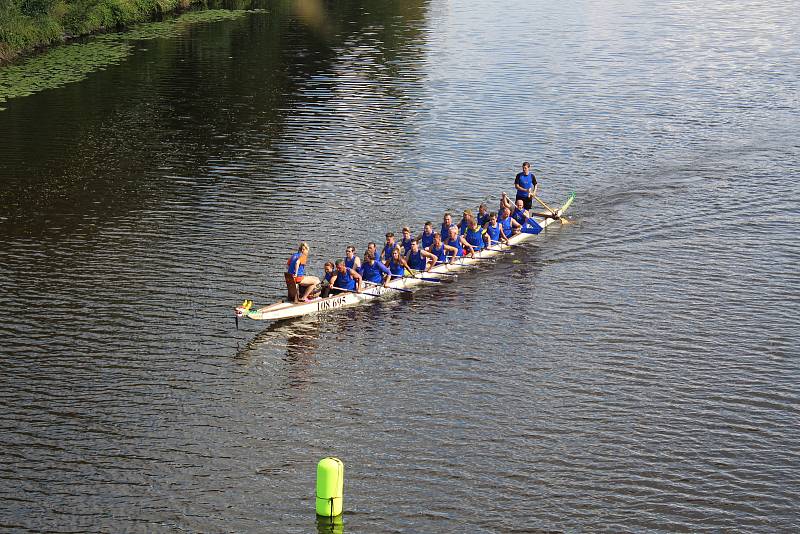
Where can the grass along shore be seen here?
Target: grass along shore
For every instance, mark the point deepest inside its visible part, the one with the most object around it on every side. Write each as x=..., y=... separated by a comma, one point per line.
x=26, y=25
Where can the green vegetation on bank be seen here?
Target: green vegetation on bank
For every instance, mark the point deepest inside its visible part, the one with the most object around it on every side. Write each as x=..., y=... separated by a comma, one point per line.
x=67, y=64
x=27, y=24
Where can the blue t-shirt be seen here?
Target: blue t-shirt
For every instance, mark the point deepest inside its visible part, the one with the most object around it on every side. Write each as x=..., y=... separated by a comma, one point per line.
x=427, y=240
x=373, y=273
x=475, y=238
x=416, y=261
x=345, y=280
x=506, y=224
x=494, y=232
x=526, y=181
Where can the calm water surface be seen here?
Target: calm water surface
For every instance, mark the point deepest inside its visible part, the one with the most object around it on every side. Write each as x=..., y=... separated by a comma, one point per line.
x=634, y=371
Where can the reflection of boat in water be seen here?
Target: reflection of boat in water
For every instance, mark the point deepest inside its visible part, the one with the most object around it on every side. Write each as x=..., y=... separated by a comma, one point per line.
x=284, y=309
x=299, y=339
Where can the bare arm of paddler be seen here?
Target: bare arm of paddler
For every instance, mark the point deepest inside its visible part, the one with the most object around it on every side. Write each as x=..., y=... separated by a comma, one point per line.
x=450, y=252
x=358, y=279
x=428, y=256
x=467, y=246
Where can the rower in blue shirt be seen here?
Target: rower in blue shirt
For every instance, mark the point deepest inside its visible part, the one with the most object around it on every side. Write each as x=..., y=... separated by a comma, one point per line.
x=390, y=245
x=495, y=230
x=440, y=250
x=351, y=260
x=464, y=223
x=417, y=258
x=483, y=215
x=373, y=271
x=510, y=226
x=405, y=242
x=526, y=223
x=345, y=279
x=397, y=264
x=325, y=286
x=476, y=236
x=447, y=222
x=458, y=243
x=426, y=237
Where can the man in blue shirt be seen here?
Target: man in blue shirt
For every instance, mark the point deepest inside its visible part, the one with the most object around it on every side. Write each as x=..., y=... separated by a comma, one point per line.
x=526, y=185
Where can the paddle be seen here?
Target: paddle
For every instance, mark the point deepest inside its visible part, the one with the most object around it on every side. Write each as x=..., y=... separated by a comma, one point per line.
x=436, y=280
x=386, y=287
x=334, y=288
x=509, y=245
x=551, y=210
x=500, y=249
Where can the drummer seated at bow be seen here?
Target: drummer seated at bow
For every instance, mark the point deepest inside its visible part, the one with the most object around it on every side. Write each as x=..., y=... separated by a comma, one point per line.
x=295, y=275
x=345, y=279
x=374, y=272
x=419, y=259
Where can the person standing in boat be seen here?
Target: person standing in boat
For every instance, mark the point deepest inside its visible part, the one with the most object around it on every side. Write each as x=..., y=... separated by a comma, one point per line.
x=295, y=271
x=440, y=250
x=426, y=237
x=351, y=261
x=345, y=279
x=526, y=185
x=373, y=271
x=417, y=258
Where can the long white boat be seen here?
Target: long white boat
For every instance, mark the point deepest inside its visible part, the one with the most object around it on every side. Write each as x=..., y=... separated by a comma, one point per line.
x=286, y=310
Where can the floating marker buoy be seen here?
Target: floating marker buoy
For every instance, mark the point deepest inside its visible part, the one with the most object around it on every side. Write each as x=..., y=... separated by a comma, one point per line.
x=330, y=487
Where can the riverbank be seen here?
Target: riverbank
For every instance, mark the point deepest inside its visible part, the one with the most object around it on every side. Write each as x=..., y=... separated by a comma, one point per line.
x=27, y=25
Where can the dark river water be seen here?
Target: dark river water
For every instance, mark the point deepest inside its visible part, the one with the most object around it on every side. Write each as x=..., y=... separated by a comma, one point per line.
x=637, y=370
